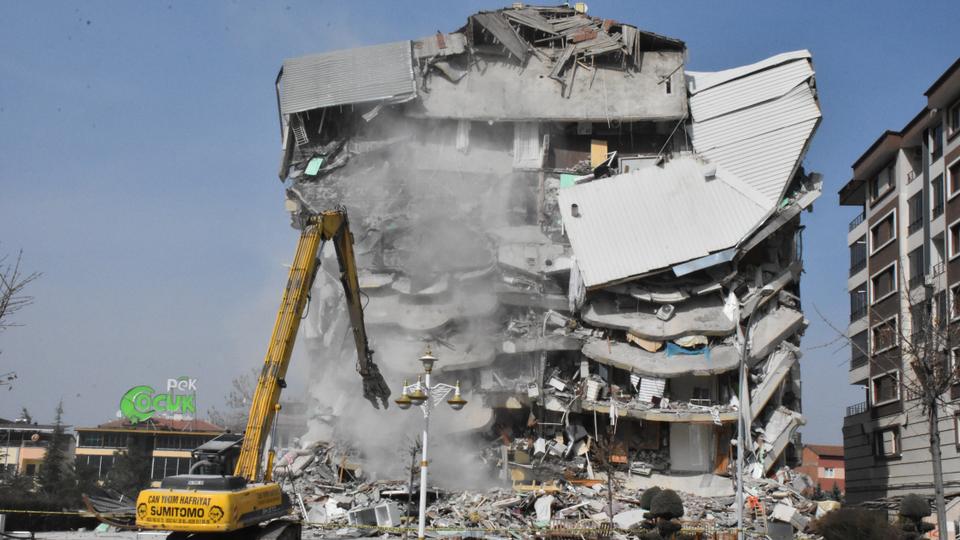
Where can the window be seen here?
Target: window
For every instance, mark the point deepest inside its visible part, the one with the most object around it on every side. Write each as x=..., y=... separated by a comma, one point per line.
x=885, y=388
x=882, y=183
x=953, y=119
x=953, y=178
x=955, y=302
x=952, y=366
x=858, y=303
x=936, y=142
x=91, y=439
x=31, y=469
x=858, y=346
x=936, y=192
x=939, y=314
x=883, y=232
x=953, y=240
x=858, y=255
x=828, y=472
x=888, y=443
x=884, y=336
x=883, y=283
x=915, y=259
x=915, y=205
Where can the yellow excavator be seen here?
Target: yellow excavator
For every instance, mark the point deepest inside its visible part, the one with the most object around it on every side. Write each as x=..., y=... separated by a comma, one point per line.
x=211, y=502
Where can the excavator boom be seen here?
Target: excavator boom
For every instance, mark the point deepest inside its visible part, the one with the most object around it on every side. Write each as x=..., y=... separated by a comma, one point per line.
x=331, y=225
x=217, y=503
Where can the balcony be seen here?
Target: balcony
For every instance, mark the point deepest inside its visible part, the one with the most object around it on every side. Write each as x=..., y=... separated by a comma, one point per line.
x=916, y=281
x=857, y=266
x=937, y=210
x=856, y=409
x=857, y=314
x=859, y=360
x=915, y=226
x=857, y=220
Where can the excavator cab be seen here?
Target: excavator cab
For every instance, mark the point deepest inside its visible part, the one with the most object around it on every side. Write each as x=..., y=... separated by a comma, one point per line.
x=218, y=455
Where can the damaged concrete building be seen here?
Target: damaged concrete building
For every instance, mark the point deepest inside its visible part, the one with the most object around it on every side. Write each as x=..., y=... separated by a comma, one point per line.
x=579, y=226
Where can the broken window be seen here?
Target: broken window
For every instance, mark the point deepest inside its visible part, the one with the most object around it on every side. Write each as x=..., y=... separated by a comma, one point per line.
x=888, y=443
x=884, y=335
x=883, y=232
x=883, y=283
x=885, y=388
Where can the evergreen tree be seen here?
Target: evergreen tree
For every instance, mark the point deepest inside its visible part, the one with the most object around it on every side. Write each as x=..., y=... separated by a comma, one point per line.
x=54, y=474
x=131, y=468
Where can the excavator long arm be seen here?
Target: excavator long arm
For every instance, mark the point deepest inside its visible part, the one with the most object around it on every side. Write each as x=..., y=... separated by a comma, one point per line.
x=317, y=228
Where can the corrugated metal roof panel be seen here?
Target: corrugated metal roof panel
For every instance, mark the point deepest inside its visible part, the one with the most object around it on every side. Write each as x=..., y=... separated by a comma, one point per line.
x=749, y=91
x=655, y=217
x=355, y=75
x=702, y=80
x=757, y=124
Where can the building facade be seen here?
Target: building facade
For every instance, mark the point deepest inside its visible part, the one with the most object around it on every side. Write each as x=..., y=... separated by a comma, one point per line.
x=904, y=286
x=23, y=445
x=824, y=464
x=167, y=442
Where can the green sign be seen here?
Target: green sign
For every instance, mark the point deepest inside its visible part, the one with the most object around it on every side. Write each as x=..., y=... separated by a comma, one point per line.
x=142, y=403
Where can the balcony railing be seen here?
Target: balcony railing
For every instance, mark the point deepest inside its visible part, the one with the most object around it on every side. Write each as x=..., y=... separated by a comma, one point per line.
x=857, y=220
x=857, y=314
x=857, y=408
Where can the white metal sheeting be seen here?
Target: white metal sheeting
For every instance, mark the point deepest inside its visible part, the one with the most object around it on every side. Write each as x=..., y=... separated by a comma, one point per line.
x=702, y=80
x=357, y=75
x=655, y=217
x=756, y=120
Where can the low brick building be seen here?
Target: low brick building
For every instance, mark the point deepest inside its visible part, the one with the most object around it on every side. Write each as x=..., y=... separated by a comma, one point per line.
x=824, y=464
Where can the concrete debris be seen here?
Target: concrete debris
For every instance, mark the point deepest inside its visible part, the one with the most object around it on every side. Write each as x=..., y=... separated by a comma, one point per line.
x=550, y=490
x=551, y=202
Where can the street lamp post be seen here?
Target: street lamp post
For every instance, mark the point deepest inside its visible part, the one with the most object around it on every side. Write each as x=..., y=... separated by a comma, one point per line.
x=425, y=396
x=744, y=392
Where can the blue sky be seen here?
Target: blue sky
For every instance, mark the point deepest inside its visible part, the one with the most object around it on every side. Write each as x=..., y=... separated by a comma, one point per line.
x=139, y=147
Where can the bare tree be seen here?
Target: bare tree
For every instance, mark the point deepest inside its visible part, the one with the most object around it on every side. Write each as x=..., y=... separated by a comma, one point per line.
x=916, y=341
x=13, y=282
x=237, y=401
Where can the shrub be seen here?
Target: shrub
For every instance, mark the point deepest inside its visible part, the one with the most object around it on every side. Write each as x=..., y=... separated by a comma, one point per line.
x=854, y=524
x=646, y=498
x=667, y=505
x=915, y=507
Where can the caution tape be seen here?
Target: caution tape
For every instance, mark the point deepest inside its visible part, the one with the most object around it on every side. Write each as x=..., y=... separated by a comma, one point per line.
x=56, y=512
x=399, y=530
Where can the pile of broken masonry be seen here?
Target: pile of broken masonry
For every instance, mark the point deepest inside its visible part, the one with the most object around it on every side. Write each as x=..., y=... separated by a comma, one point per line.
x=332, y=495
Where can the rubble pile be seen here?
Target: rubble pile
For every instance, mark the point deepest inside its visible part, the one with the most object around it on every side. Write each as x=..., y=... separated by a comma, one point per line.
x=596, y=242
x=541, y=490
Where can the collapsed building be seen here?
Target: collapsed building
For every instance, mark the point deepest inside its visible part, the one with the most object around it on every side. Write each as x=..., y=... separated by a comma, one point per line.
x=591, y=237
